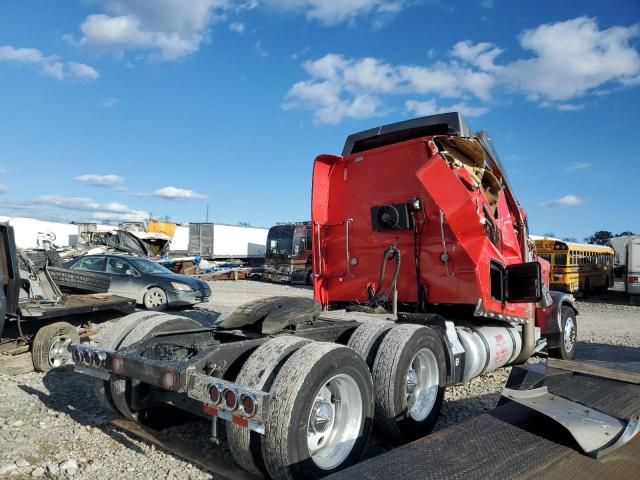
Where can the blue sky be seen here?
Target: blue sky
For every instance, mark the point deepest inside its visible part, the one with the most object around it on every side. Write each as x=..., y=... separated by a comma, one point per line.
x=111, y=109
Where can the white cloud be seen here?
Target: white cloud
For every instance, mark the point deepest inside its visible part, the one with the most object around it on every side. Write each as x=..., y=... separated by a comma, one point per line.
x=577, y=166
x=99, y=211
x=82, y=71
x=486, y=3
x=108, y=102
x=571, y=59
x=260, y=50
x=174, y=193
x=3, y=189
x=333, y=12
x=565, y=201
x=51, y=66
x=111, y=181
x=237, y=27
x=167, y=29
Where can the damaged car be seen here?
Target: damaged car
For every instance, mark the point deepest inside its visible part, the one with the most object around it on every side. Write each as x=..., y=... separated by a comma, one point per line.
x=144, y=280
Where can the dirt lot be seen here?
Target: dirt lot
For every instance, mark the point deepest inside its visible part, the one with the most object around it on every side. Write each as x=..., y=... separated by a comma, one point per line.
x=51, y=425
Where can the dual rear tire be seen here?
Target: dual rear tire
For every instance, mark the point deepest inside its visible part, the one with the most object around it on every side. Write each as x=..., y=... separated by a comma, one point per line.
x=409, y=369
x=321, y=409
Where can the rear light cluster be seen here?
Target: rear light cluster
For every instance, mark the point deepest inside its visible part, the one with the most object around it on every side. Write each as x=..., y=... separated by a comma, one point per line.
x=634, y=279
x=88, y=357
x=231, y=399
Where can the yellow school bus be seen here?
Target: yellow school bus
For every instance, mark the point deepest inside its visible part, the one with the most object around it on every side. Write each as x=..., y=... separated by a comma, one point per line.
x=577, y=267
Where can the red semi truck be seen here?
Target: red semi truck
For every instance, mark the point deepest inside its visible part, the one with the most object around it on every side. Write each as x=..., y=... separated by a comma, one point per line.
x=424, y=277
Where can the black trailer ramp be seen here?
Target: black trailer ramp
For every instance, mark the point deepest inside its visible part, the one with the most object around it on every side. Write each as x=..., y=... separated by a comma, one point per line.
x=516, y=442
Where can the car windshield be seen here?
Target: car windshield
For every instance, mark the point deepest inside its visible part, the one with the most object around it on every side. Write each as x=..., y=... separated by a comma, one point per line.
x=148, y=266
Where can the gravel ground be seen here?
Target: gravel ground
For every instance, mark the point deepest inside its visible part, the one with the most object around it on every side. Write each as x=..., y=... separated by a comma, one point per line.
x=51, y=426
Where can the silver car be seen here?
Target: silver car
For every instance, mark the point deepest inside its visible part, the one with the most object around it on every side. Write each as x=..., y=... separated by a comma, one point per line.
x=145, y=281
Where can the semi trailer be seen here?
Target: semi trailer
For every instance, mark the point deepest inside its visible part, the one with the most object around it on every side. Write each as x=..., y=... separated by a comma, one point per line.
x=424, y=276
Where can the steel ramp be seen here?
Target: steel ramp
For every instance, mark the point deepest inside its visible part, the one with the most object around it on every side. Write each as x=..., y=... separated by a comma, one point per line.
x=515, y=441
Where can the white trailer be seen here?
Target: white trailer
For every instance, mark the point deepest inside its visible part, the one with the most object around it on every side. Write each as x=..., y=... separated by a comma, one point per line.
x=219, y=241
x=619, y=245
x=632, y=278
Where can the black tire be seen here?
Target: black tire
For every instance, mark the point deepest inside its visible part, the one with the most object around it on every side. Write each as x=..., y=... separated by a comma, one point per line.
x=563, y=351
x=111, y=340
x=390, y=371
x=259, y=372
x=60, y=333
x=587, y=289
x=80, y=280
x=366, y=339
x=121, y=388
x=275, y=312
x=309, y=279
x=155, y=299
x=294, y=393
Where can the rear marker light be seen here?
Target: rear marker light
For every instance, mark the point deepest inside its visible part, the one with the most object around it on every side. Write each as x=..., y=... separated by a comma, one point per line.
x=230, y=399
x=214, y=394
x=169, y=380
x=99, y=359
x=248, y=403
x=86, y=357
x=77, y=356
x=118, y=364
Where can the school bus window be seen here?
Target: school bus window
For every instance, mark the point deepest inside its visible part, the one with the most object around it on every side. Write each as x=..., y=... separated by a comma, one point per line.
x=561, y=259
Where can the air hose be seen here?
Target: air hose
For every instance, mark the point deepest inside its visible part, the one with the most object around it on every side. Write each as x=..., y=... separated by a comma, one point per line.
x=377, y=298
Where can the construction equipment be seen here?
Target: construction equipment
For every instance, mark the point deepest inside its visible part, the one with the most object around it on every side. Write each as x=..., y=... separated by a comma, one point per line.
x=424, y=277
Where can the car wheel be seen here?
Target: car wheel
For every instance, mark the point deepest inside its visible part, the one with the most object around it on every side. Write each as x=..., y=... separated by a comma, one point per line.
x=155, y=299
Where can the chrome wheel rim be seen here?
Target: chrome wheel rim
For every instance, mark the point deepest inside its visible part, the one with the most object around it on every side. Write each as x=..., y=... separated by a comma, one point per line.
x=59, y=353
x=570, y=334
x=334, y=422
x=422, y=383
x=155, y=298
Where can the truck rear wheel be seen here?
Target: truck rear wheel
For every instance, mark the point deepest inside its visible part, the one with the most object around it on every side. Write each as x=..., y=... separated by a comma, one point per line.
x=569, y=335
x=50, y=346
x=111, y=340
x=409, y=375
x=121, y=388
x=259, y=372
x=321, y=413
x=367, y=337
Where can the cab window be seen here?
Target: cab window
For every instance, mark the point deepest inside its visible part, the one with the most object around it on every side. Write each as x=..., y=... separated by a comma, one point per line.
x=92, y=264
x=299, y=245
x=118, y=266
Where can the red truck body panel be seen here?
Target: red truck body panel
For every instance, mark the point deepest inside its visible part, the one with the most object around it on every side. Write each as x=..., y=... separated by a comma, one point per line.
x=348, y=252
